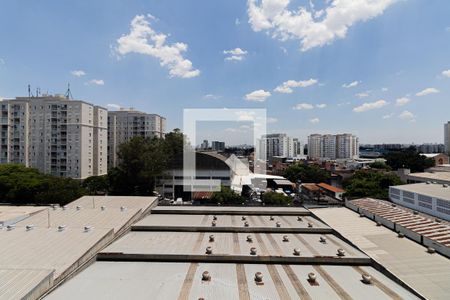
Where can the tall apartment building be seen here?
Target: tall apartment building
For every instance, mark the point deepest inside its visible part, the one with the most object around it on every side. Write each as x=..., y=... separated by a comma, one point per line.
x=447, y=137
x=218, y=146
x=329, y=146
x=125, y=124
x=277, y=144
x=56, y=135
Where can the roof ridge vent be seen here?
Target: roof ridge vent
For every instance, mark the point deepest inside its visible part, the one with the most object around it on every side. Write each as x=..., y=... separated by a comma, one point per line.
x=78, y=207
x=10, y=227
x=61, y=227
x=87, y=228
x=29, y=227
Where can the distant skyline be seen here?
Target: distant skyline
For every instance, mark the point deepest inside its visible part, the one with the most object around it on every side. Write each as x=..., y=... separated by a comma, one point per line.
x=377, y=69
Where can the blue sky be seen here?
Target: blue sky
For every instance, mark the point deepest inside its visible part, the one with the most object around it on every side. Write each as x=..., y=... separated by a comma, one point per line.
x=350, y=66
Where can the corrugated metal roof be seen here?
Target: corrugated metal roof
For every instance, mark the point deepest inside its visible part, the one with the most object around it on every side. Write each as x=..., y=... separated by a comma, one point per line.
x=24, y=283
x=134, y=202
x=330, y=188
x=11, y=214
x=234, y=246
x=429, y=274
x=183, y=222
x=417, y=223
x=142, y=280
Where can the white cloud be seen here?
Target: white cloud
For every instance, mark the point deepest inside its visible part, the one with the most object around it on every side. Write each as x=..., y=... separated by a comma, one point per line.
x=96, y=82
x=407, y=116
x=384, y=89
x=362, y=95
x=344, y=103
x=245, y=115
x=314, y=120
x=143, y=39
x=427, y=91
x=369, y=106
x=284, y=50
x=114, y=106
x=258, y=96
x=322, y=105
x=271, y=120
x=78, y=73
x=446, y=73
x=402, y=101
x=235, y=54
x=287, y=86
x=387, y=116
x=237, y=22
x=301, y=106
x=211, y=97
x=312, y=28
x=351, y=84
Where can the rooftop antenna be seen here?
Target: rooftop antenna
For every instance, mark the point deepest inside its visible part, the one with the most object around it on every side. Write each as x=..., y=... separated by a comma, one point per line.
x=29, y=91
x=38, y=91
x=68, y=92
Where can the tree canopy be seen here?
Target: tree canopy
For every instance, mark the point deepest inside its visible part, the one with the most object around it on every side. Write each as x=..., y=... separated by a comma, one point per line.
x=276, y=199
x=409, y=159
x=370, y=184
x=142, y=160
x=22, y=185
x=226, y=197
x=306, y=173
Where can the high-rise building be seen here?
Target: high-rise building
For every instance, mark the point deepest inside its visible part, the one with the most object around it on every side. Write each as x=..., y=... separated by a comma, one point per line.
x=56, y=135
x=125, y=124
x=329, y=146
x=217, y=146
x=447, y=137
x=297, y=147
x=277, y=144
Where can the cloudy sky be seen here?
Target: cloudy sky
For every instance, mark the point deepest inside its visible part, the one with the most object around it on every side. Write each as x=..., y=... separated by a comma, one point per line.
x=379, y=69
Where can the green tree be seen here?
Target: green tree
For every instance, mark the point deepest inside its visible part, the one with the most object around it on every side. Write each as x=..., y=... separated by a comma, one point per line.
x=276, y=199
x=379, y=165
x=95, y=185
x=370, y=184
x=306, y=173
x=22, y=185
x=226, y=197
x=409, y=159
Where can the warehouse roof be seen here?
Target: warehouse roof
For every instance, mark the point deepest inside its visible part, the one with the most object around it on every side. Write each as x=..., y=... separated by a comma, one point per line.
x=429, y=189
x=188, y=222
x=230, y=210
x=169, y=246
x=442, y=177
x=10, y=214
x=24, y=283
x=135, y=202
x=162, y=280
x=426, y=273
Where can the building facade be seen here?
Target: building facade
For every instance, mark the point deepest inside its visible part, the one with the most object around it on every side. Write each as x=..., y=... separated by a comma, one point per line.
x=218, y=146
x=330, y=146
x=125, y=124
x=447, y=137
x=58, y=136
x=277, y=144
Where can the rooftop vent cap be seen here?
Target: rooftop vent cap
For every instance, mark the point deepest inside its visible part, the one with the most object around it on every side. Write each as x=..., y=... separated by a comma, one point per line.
x=415, y=212
x=209, y=250
x=206, y=276
x=340, y=252
x=278, y=224
x=401, y=235
x=310, y=225
x=61, y=227
x=87, y=228
x=214, y=218
x=64, y=207
x=123, y=208
x=54, y=206
x=249, y=238
x=323, y=239
x=211, y=238
x=366, y=278
x=244, y=218
x=428, y=182
x=102, y=207
x=431, y=250
x=10, y=227
x=213, y=223
x=271, y=218
x=299, y=219
x=312, y=277
x=258, y=277
x=438, y=220
x=78, y=207
x=393, y=205
x=445, y=185
x=29, y=227
x=296, y=251
x=246, y=224
x=361, y=215
x=378, y=224
x=285, y=238
x=253, y=251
